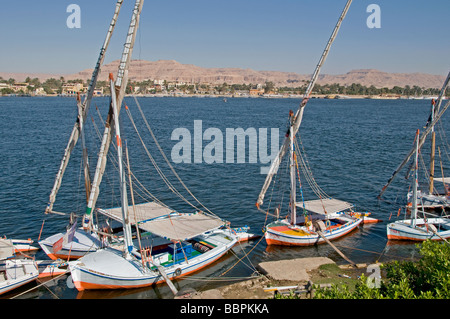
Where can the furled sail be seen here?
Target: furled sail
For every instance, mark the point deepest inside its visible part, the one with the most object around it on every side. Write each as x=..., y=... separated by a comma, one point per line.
x=411, y=152
x=120, y=86
x=299, y=114
x=83, y=109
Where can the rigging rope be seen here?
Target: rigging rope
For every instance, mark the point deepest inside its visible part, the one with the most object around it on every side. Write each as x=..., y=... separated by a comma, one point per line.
x=166, y=159
x=158, y=169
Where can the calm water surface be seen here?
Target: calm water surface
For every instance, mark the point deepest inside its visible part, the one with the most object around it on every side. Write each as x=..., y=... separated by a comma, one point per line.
x=352, y=146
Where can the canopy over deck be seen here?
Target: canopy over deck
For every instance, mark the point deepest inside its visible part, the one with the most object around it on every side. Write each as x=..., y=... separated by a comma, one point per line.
x=165, y=222
x=6, y=248
x=446, y=180
x=325, y=206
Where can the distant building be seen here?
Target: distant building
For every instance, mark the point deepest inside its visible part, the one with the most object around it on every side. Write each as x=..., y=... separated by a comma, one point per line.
x=98, y=92
x=73, y=88
x=256, y=92
x=16, y=87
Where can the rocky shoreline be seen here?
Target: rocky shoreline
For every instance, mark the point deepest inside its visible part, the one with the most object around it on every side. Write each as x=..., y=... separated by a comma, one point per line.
x=275, y=275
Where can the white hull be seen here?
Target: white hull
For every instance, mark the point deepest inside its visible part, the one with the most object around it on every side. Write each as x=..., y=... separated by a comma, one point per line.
x=50, y=268
x=402, y=229
x=15, y=273
x=23, y=245
x=282, y=233
x=108, y=269
x=430, y=200
x=82, y=243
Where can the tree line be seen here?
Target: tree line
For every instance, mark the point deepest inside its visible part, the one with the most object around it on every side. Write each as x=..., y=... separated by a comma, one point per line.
x=53, y=85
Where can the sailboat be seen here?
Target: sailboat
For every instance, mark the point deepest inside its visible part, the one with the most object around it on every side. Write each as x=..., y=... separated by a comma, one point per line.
x=433, y=199
x=76, y=242
x=323, y=219
x=430, y=198
x=180, y=243
x=434, y=227
x=418, y=229
x=14, y=272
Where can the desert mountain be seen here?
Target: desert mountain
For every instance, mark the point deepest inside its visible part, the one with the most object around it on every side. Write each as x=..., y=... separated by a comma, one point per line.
x=171, y=70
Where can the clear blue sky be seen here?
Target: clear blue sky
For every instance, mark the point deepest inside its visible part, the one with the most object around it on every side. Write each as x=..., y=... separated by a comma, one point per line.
x=281, y=35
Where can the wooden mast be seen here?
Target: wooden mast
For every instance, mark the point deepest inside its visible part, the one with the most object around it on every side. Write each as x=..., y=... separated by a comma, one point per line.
x=123, y=185
x=293, y=179
x=416, y=180
x=119, y=91
x=432, y=153
x=83, y=109
x=299, y=114
x=429, y=128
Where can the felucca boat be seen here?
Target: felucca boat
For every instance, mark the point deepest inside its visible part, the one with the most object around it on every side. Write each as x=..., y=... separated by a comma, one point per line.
x=14, y=272
x=76, y=241
x=431, y=198
x=418, y=229
x=322, y=219
x=177, y=243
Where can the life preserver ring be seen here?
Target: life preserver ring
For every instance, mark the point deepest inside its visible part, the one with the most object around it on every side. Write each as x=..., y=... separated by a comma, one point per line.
x=177, y=272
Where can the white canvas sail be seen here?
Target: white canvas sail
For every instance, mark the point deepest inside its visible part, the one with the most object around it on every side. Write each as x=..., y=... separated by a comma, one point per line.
x=299, y=114
x=120, y=85
x=83, y=109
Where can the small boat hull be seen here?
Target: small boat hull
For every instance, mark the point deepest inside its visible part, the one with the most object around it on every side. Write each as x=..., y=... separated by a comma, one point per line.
x=430, y=200
x=23, y=245
x=51, y=268
x=403, y=230
x=281, y=233
x=108, y=269
x=15, y=273
x=82, y=243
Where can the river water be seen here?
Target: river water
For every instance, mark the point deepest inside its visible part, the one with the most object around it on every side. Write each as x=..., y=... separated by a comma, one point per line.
x=352, y=145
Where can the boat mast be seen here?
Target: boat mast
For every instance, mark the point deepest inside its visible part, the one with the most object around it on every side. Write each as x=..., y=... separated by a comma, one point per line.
x=424, y=134
x=87, y=177
x=299, y=114
x=123, y=185
x=82, y=111
x=292, y=169
x=433, y=149
x=119, y=90
x=416, y=178
x=435, y=108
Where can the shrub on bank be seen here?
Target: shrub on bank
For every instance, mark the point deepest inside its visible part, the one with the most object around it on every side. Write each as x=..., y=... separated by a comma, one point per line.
x=428, y=278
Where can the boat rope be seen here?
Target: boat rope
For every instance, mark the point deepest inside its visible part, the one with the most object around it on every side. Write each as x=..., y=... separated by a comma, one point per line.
x=212, y=279
x=143, y=193
x=307, y=172
x=240, y=259
x=443, y=139
x=42, y=284
x=300, y=186
x=250, y=265
x=158, y=169
x=166, y=159
x=442, y=171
